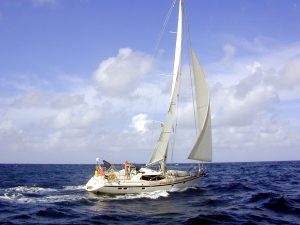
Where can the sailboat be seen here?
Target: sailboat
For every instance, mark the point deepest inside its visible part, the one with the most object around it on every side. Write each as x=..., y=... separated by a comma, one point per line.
x=138, y=180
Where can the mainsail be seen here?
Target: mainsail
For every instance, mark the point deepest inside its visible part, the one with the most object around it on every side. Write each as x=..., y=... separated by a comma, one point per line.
x=202, y=149
x=161, y=147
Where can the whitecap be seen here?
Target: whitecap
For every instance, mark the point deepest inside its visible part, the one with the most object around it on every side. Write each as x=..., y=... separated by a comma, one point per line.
x=18, y=194
x=62, y=198
x=183, y=189
x=149, y=195
x=20, y=198
x=153, y=195
x=78, y=187
x=30, y=189
x=11, y=196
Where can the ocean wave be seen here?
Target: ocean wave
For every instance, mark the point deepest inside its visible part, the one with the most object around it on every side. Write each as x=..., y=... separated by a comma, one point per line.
x=64, y=197
x=144, y=195
x=33, y=194
x=11, y=196
x=262, y=196
x=22, y=217
x=30, y=189
x=71, y=188
x=212, y=219
x=195, y=188
x=282, y=204
x=53, y=213
x=150, y=195
x=224, y=197
x=25, y=198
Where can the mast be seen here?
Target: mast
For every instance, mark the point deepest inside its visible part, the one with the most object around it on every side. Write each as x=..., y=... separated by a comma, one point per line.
x=160, y=151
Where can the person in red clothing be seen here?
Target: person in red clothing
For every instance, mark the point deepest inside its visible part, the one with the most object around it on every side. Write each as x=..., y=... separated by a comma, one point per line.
x=100, y=171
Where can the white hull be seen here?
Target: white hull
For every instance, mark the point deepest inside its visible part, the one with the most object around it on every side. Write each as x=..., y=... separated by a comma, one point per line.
x=100, y=185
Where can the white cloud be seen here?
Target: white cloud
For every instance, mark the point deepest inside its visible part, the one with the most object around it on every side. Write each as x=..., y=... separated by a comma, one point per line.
x=259, y=44
x=10, y=135
x=8, y=127
x=289, y=77
x=115, y=118
x=66, y=101
x=236, y=109
x=149, y=97
x=140, y=122
x=247, y=120
x=254, y=67
x=33, y=98
x=78, y=117
x=120, y=75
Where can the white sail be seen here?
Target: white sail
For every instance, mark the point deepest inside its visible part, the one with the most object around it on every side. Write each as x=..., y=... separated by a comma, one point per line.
x=161, y=147
x=202, y=149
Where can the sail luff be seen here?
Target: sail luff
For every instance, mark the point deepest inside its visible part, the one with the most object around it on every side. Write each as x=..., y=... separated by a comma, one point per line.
x=160, y=149
x=177, y=57
x=202, y=149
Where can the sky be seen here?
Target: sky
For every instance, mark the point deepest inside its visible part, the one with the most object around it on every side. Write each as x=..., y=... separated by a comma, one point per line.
x=85, y=79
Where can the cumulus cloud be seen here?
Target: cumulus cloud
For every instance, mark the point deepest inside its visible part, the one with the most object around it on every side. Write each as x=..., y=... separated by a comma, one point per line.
x=246, y=113
x=120, y=75
x=139, y=123
x=115, y=117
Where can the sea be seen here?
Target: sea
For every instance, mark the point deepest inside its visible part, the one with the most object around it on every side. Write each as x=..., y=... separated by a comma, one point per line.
x=230, y=193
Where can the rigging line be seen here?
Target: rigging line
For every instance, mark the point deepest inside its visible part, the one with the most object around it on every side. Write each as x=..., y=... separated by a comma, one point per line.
x=162, y=31
x=167, y=17
x=189, y=44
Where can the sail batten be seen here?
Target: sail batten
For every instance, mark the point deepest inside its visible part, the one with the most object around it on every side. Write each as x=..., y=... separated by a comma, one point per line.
x=202, y=149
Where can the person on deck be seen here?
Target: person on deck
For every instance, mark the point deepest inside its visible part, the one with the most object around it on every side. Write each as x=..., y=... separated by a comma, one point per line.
x=100, y=171
x=127, y=169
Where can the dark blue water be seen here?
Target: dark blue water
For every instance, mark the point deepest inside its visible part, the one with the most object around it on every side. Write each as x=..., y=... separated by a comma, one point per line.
x=232, y=193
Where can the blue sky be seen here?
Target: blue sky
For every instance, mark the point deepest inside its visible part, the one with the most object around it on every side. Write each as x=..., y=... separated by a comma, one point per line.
x=77, y=79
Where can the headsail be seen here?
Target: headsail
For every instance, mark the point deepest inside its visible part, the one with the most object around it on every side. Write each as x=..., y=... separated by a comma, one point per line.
x=160, y=149
x=202, y=149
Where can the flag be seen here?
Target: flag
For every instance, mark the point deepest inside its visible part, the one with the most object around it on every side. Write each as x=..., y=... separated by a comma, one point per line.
x=106, y=164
